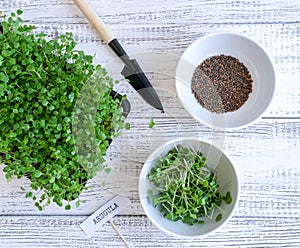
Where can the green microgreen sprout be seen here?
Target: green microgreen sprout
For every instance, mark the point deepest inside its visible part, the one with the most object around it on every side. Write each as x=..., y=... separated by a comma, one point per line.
x=219, y=217
x=151, y=123
x=40, y=81
x=185, y=187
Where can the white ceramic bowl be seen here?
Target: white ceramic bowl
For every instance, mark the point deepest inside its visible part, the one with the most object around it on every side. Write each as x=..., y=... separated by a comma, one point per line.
x=251, y=55
x=226, y=178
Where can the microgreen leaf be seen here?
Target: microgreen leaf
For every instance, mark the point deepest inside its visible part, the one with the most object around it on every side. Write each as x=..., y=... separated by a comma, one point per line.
x=37, y=174
x=219, y=217
x=3, y=77
x=228, y=198
x=152, y=123
x=127, y=126
x=68, y=207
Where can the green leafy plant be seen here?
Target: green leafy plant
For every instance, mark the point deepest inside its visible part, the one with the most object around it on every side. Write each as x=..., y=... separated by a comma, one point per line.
x=187, y=187
x=41, y=80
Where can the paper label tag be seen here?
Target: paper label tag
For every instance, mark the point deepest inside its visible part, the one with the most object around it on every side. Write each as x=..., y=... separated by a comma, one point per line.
x=104, y=214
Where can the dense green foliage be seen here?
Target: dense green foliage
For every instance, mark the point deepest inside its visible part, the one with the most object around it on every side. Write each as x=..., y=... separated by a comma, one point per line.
x=187, y=187
x=40, y=81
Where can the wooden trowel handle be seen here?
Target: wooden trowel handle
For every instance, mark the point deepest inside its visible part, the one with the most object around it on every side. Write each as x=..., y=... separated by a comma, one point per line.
x=94, y=19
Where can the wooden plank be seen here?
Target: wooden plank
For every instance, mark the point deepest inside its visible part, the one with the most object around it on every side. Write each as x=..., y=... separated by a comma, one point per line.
x=179, y=30
x=168, y=11
x=266, y=156
x=285, y=103
x=156, y=55
x=174, y=39
x=64, y=231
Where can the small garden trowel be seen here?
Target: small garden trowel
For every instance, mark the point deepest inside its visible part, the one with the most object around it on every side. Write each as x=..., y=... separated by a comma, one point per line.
x=132, y=71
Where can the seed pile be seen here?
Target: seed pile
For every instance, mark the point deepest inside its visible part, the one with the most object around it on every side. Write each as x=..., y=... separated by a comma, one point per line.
x=221, y=84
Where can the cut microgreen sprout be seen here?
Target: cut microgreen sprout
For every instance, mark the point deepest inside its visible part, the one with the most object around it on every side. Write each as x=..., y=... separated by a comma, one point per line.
x=188, y=188
x=151, y=123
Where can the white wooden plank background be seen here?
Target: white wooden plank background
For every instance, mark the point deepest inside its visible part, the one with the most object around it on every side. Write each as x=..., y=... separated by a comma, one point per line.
x=266, y=153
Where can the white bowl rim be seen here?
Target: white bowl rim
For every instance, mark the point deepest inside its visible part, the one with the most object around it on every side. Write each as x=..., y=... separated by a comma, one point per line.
x=244, y=37
x=142, y=197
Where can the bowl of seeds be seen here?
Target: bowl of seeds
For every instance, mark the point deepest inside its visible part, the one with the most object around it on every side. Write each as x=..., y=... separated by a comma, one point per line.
x=225, y=80
x=188, y=187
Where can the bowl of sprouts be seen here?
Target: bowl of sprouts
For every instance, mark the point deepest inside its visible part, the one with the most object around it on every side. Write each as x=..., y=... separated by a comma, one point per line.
x=188, y=187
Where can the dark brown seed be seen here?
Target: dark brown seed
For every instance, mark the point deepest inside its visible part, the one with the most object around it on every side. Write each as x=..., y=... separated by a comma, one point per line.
x=221, y=84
